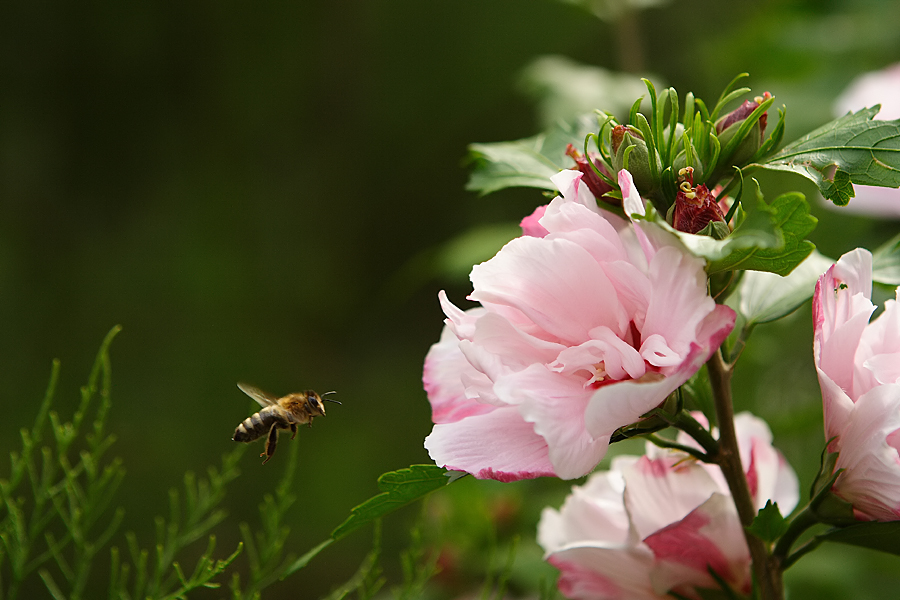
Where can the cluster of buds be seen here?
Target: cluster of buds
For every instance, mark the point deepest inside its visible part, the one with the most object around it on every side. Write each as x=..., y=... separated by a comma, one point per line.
x=681, y=166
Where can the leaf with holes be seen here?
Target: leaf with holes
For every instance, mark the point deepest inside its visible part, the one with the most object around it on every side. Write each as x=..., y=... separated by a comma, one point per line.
x=854, y=149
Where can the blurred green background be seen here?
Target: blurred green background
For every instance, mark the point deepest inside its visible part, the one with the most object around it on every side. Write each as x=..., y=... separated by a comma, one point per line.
x=254, y=191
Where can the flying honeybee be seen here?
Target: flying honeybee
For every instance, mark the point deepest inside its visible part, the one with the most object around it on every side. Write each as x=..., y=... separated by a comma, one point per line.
x=278, y=413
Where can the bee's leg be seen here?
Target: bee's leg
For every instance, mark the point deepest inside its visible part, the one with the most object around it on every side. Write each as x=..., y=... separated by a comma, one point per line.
x=293, y=430
x=270, y=443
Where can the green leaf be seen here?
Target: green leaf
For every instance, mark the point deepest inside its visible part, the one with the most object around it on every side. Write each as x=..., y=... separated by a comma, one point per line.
x=768, y=525
x=529, y=162
x=854, y=149
x=399, y=488
x=790, y=214
x=886, y=263
x=884, y=537
x=304, y=560
x=762, y=297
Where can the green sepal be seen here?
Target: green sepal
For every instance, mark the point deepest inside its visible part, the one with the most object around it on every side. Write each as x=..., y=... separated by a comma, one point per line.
x=727, y=96
x=718, y=230
x=768, y=525
x=774, y=138
x=698, y=394
x=824, y=504
x=825, y=477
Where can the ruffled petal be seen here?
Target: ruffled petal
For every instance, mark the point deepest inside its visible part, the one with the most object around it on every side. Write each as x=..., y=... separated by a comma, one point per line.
x=871, y=480
x=594, y=512
x=617, y=404
x=554, y=404
x=679, y=301
x=531, y=224
x=497, y=445
x=445, y=377
x=603, y=573
x=659, y=492
x=554, y=283
x=710, y=537
x=605, y=356
x=768, y=474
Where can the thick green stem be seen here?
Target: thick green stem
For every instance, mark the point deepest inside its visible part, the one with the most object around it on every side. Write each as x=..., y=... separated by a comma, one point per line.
x=766, y=568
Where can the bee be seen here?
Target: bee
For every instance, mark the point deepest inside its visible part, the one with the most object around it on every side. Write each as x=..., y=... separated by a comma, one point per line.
x=278, y=413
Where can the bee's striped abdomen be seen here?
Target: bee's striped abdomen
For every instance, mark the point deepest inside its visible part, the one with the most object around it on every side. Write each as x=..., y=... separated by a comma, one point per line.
x=257, y=425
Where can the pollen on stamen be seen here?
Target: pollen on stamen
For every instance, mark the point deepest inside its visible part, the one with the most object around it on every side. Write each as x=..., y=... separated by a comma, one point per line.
x=599, y=375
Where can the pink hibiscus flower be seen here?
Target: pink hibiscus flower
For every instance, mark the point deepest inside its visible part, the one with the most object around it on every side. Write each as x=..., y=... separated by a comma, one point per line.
x=585, y=324
x=858, y=364
x=659, y=522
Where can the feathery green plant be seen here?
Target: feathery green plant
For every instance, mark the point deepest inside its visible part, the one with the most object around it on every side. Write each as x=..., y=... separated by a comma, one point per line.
x=55, y=507
x=59, y=487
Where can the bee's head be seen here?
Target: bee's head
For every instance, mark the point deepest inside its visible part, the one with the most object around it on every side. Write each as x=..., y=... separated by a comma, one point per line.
x=314, y=401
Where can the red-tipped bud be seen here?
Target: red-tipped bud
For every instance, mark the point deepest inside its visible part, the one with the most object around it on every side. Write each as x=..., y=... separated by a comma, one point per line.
x=638, y=163
x=594, y=182
x=727, y=127
x=696, y=207
x=742, y=112
x=617, y=135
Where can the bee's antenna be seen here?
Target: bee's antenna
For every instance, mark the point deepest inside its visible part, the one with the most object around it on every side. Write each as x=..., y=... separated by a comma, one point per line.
x=330, y=399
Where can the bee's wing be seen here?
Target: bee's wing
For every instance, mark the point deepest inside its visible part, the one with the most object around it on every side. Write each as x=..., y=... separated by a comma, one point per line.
x=261, y=397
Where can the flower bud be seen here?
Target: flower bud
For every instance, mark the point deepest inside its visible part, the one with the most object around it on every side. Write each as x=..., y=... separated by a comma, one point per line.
x=680, y=163
x=727, y=126
x=696, y=207
x=638, y=159
x=597, y=185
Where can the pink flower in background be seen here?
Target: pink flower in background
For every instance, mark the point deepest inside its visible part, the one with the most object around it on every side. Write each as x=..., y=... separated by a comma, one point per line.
x=581, y=330
x=531, y=225
x=659, y=522
x=858, y=364
x=877, y=87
